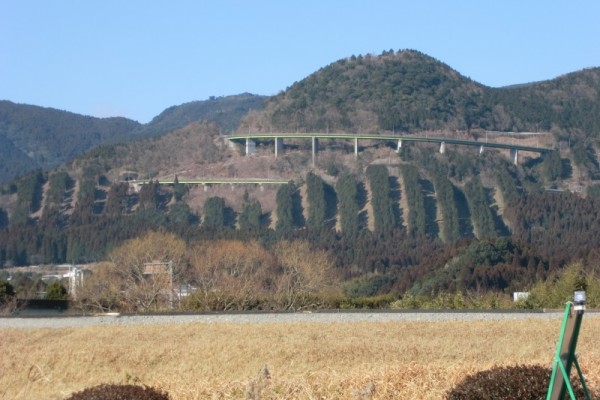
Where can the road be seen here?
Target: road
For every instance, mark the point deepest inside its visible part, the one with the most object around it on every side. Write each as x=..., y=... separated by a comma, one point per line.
x=260, y=318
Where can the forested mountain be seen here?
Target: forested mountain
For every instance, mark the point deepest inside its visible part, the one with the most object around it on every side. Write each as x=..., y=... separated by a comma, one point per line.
x=35, y=137
x=394, y=220
x=407, y=91
x=225, y=111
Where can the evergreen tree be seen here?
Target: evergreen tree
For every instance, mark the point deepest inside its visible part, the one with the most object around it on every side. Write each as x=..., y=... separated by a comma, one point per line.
x=179, y=189
x=181, y=214
x=380, y=197
x=414, y=197
x=285, y=208
x=315, y=191
x=56, y=291
x=250, y=216
x=3, y=219
x=482, y=217
x=214, y=213
x=552, y=166
x=118, y=201
x=289, y=208
x=348, y=209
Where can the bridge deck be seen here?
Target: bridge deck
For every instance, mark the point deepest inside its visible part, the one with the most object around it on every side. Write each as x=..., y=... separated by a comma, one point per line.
x=212, y=181
x=462, y=142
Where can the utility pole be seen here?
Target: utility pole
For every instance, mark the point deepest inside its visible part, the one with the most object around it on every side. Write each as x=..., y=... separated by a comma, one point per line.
x=171, y=283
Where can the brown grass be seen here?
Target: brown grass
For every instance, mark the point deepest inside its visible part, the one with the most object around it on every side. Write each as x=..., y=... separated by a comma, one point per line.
x=408, y=360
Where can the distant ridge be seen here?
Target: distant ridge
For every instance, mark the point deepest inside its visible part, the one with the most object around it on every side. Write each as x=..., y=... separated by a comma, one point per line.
x=34, y=137
x=38, y=137
x=404, y=91
x=408, y=91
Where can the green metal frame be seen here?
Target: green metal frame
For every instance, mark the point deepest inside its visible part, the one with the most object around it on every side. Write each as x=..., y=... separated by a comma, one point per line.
x=213, y=181
x=560, y=382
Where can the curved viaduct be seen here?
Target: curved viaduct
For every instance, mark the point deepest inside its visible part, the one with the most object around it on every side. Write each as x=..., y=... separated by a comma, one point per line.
x=249, y=140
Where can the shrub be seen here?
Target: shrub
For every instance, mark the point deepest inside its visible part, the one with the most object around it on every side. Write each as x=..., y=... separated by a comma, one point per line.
x=7, y=291
x=558, y=289
x=521, y=382
x=367, y=303
x=454, y=301
x=8, y=299
x=119, y=392
x=56, y=291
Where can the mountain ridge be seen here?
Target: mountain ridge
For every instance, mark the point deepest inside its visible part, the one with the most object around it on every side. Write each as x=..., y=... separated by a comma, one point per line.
x=408, y=91
x=408, y=218
x=43, y=137
x=403, y=91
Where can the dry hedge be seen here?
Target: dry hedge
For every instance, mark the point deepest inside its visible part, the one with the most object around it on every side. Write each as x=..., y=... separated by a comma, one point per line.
x=119, y=392
x=521, y=382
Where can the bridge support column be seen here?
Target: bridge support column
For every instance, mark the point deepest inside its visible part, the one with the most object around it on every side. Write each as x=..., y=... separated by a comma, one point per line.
x=481, y=149
x=315, y=149
x=443, y=148
x=356, y=147
x=250, y=146
x=399, y=146
x=278, y=146
x=514, y=154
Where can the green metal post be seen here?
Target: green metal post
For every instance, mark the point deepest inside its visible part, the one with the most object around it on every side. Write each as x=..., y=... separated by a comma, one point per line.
x=560, y=383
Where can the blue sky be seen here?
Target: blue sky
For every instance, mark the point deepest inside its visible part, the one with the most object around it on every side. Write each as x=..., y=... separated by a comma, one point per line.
x=134, y=58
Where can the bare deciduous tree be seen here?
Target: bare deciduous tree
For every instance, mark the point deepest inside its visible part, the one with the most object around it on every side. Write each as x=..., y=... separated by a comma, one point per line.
x=100, y=290
x=305, y=274
x=231, y=274
x=142, y=270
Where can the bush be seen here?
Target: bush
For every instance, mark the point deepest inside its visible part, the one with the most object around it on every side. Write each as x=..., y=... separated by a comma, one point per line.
x=8, y=299
x=521, y=382
x=454, y=301
x=367, y=303
x=558, y=289
x=56, y=291
x=7, y=291
x=119, y=392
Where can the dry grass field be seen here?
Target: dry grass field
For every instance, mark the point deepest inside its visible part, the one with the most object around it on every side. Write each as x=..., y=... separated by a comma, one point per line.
x=366, y=360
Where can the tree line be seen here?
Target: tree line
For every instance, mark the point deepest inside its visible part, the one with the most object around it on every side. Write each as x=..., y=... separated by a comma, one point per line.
x=545, y=228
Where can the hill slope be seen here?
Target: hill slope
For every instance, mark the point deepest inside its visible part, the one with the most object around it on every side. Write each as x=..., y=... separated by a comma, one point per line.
x=392, y=219
x=408, y=91
x=35, y=137
x=226, y=112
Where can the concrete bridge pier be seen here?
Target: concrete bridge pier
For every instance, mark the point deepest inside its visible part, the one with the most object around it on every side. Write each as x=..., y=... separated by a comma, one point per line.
x=443, y=148
x=250, y=146
x=399, y=146
x=356, y=147
x=481, y=149
x=315, y=149
x=278, y=146
x=514, y=154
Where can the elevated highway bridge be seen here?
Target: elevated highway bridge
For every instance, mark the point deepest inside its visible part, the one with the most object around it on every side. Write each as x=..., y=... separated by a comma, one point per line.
x=249, y=141
x=209, y=181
